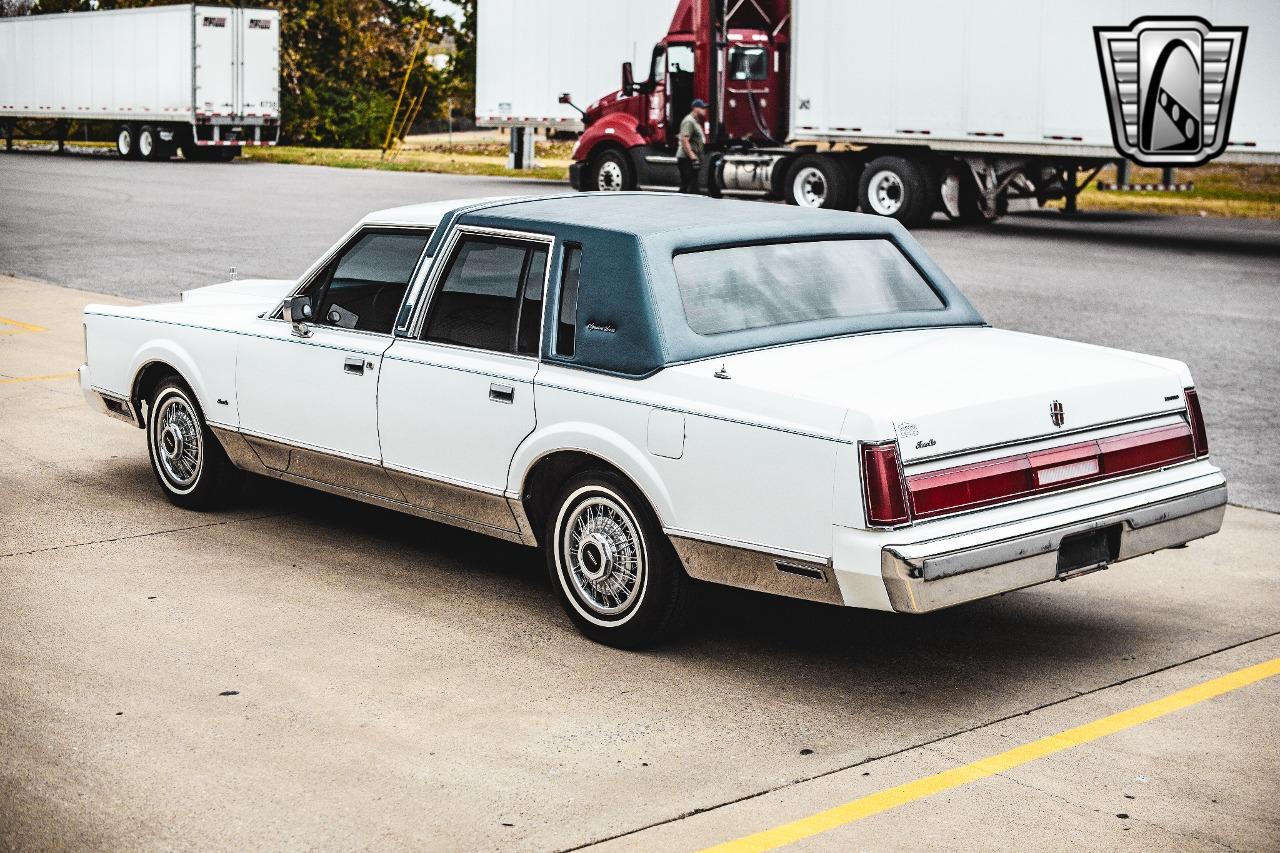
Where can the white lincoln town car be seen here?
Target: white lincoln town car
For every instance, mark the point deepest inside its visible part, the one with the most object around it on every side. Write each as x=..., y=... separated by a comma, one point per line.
x=658, y=389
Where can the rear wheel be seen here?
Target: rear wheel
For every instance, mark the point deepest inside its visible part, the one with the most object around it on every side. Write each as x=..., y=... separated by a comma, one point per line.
x=817, y=181
x=615, y=572
x=189, y=463
x=611, y=172
x=149, y=145
x=127, y=142
x=899, y=188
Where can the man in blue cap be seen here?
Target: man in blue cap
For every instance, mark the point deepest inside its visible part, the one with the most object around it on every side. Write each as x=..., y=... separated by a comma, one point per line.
x=690, y=146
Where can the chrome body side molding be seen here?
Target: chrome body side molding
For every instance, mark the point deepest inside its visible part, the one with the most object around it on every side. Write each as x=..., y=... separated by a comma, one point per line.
x=116, y=406
x=454, y=500
x=479, y=512
x=745, y=566
x=927, y=576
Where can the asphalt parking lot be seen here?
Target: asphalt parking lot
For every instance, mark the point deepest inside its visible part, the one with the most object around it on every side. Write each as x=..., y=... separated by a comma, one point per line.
x=306, y=672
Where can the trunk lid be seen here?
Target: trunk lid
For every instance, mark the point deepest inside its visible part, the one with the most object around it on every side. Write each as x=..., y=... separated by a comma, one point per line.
x=944, y=391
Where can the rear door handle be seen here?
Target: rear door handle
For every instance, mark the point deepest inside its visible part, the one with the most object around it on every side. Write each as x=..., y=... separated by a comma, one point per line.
x=502, y=393
x=354, y=365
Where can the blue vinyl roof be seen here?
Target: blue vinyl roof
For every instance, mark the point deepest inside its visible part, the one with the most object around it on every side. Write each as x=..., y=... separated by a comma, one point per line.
x=628, y=286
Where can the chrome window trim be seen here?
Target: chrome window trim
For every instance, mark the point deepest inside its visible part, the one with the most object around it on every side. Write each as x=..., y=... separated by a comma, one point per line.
x=441, y=262
x=308, y=277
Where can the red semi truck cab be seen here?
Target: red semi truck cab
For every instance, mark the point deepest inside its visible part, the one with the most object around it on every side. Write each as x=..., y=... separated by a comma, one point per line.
x=631, y=133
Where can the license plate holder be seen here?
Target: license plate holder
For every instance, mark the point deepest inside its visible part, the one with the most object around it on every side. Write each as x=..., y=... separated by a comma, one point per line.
x=1088, y=551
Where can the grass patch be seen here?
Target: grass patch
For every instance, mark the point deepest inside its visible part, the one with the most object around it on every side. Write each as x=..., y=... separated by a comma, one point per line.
x=1250, y=192
x=438, y=159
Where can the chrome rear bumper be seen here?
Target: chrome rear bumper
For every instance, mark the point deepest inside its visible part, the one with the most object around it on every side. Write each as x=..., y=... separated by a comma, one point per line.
x=925, y=576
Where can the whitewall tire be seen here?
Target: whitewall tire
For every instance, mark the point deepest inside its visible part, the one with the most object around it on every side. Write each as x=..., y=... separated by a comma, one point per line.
x=612, y=568
x=192, y=468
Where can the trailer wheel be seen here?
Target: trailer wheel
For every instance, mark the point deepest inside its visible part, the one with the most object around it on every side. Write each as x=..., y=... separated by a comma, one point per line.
x=815, y=180
x=149, y=145
x=899, y=188
x=611, y=172
x=127, y=142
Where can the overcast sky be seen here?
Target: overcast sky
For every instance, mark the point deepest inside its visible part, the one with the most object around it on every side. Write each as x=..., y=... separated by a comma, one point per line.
x=445, y=7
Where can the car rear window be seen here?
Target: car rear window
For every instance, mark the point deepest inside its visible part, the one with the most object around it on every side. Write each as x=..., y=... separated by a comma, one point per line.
x=775, y=284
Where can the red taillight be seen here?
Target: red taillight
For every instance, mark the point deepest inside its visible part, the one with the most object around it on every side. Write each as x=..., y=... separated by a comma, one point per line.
x=1125, y=454
x=883, y=491
x=1196, y=418
x=970, y=486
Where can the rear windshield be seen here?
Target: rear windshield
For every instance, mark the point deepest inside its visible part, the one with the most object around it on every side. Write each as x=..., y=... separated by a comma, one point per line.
x=753, y=287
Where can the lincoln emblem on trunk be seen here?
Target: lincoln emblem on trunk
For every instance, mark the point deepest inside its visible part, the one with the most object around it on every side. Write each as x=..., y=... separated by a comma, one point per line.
x=1056, y=413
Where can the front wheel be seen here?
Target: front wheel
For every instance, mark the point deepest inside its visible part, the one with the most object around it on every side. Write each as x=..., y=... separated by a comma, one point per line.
x=613, y=569
x=189, y=463
x=611, y=172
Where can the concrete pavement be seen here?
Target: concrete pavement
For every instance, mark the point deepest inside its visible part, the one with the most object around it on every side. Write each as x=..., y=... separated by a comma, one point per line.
x=303, y=671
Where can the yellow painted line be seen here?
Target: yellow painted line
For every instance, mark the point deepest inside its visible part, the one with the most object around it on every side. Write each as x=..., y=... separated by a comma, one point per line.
x=18, y=327
x=37, y=378
x=891, y=798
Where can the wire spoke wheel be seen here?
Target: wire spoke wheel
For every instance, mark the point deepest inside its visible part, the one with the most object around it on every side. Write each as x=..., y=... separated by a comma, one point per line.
x=178, y=443
x=603, y=556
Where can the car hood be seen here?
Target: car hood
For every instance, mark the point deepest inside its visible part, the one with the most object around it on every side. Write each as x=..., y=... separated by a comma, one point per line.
x=943, y=391
x=261, y=292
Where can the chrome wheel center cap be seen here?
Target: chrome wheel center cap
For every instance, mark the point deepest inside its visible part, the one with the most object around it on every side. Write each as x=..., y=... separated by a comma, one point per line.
x=171, y=440
x=595, y=555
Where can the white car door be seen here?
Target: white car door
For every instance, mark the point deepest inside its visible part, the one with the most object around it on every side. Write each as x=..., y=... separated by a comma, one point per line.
x=308, y=403
x=456, y=398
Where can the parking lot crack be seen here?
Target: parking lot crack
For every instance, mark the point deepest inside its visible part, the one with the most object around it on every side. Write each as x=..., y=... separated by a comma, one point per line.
x=140, y=535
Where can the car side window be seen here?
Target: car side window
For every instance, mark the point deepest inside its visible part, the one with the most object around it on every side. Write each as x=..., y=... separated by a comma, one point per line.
x=567, y=319
x=491, y=296
x=362, y=287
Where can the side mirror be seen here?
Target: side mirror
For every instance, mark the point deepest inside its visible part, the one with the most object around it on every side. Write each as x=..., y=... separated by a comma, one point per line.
x=298, y=311
x=566, y=98
x=628, y=79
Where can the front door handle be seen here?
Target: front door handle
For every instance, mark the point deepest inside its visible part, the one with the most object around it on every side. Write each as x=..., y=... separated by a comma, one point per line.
x=502, y=393
x=354, y=365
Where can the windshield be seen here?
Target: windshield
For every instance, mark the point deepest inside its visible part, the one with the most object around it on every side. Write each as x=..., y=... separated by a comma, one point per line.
x=748, y=63
x=753, y=287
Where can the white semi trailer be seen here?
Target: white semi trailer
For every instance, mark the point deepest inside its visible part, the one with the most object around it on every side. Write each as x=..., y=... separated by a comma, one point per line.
x=529, y=52
x=201, y=79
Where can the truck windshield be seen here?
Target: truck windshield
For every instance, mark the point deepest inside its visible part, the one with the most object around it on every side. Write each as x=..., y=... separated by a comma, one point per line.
x=748, y=63
x=751, y=287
